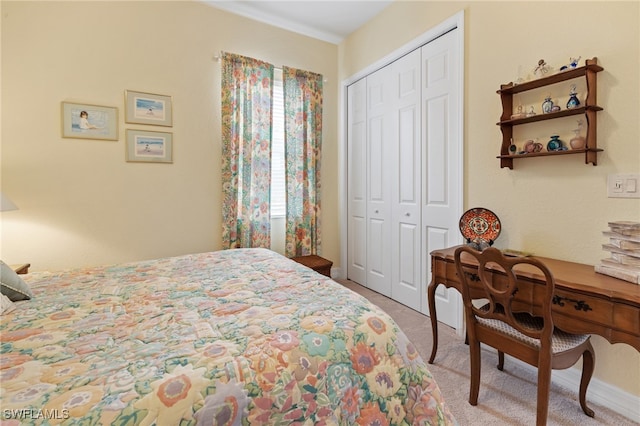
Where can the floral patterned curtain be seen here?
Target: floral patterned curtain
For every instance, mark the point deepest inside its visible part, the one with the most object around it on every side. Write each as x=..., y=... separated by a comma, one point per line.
x=247, y=88
x=303, y=141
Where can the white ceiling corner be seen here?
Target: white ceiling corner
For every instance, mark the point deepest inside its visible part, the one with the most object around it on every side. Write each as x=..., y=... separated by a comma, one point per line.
x=327, y=20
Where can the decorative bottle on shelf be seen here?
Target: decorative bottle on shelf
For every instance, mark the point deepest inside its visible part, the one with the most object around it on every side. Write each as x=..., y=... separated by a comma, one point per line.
x=547, y=105
x=555, y=144
x=578, y=141
x=573, y=101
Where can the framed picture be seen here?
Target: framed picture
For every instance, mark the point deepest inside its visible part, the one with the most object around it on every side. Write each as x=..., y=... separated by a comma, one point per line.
x=84, y=121
x=148, y=108
x=149, y=147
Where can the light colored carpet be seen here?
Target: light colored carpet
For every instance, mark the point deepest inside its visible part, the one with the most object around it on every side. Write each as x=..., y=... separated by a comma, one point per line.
x=506, y=397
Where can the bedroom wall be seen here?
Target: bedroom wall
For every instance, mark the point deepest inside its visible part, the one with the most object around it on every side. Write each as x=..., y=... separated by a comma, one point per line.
x=556, y=207
x=80, y=202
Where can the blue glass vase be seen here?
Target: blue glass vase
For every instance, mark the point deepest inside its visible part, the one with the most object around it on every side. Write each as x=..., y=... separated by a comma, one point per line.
x=554, y=144
x=573, y=101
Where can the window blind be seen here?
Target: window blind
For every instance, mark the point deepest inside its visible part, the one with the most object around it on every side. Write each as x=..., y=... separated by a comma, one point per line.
x=278, y=184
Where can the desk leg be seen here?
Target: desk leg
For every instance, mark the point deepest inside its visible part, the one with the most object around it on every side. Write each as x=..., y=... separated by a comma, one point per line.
x=431, y=296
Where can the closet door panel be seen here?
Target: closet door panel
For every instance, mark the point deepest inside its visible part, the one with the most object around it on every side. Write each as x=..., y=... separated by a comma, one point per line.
x=437, y=180
x=357, y=182
x=409, y=235
x=379, y=173
x=442, y=180
x=407, y=287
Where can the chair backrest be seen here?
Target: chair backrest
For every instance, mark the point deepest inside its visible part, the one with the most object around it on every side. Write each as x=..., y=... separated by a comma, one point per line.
x=489, y=276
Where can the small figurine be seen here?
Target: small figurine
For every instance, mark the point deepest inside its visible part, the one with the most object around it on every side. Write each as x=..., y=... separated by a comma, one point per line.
x=541, y=69
x=547, y=105
x=529, y=146
x=573, y=63
x=519, y=114
x=573, y=101
x=520, y=79
x=531, y=112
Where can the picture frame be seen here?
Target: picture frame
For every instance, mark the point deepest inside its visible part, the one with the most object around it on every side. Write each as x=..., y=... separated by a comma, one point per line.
x=144, y=146
x=86, y=121
x=148, y=108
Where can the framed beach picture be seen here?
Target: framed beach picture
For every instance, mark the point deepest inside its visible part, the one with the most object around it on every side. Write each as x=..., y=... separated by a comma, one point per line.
x=84, y=121
x=149, y=147
x=148, y=108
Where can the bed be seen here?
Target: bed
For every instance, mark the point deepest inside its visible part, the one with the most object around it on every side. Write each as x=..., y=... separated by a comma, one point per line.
x=231, y=337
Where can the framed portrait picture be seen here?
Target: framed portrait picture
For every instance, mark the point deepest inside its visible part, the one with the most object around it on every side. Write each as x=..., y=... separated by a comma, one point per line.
x=149, y=147
x=84, y=121
x=148, y=108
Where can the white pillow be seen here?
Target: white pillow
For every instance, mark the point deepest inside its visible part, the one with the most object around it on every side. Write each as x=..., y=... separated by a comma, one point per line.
x=11, y=285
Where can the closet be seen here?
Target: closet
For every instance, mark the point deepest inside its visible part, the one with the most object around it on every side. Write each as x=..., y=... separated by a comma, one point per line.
x=404, y=170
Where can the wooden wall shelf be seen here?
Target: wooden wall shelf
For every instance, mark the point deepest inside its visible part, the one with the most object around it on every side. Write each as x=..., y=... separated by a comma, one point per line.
x=588, y=109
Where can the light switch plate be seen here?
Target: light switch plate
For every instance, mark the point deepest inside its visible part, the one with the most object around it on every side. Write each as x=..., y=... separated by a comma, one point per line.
x=625, y=185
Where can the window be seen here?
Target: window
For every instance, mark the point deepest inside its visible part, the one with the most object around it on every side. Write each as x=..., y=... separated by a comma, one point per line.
x=250, y=213
x=278, y=185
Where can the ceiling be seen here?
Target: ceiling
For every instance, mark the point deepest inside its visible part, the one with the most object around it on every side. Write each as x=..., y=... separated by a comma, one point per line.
x=331, y=21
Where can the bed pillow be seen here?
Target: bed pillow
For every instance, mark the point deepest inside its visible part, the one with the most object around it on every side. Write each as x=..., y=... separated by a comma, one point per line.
x=12, y=285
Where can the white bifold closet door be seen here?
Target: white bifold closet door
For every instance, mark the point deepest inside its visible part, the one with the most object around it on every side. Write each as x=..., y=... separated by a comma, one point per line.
x=381, y=151
x=442, y=163
x=357, y=182
x=405, y=248
x=384, y=176
x=402, y=174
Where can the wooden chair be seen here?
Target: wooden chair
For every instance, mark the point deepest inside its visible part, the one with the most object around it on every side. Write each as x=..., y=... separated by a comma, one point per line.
x=522, y=330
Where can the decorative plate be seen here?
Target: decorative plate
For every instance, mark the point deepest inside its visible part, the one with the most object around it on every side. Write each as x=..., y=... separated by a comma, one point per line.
x=480, y=224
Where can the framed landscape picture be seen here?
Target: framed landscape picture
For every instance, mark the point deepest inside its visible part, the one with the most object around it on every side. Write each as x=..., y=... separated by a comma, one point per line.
x=148, y=108
x=149, y=147
x=84, y=121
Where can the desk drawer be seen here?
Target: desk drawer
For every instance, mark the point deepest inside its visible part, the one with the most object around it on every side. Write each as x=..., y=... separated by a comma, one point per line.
x=580, y=313
x=582, y=308
x=445, y=273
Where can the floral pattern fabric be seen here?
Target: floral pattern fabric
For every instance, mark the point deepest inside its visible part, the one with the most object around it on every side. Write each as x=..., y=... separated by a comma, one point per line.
x=247, y=90
x=233, y=337
x=303, y=148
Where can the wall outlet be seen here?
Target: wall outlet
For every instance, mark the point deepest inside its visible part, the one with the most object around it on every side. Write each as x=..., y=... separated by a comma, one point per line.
x=623, y=185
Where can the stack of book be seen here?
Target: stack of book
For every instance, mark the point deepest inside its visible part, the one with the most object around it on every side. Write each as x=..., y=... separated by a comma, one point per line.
x=624, y=248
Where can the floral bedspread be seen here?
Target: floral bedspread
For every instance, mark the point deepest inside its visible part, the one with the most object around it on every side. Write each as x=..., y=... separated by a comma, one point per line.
x=232, y=337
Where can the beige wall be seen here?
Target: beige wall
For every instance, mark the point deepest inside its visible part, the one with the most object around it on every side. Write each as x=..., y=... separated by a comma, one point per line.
x=557, y=207
x=80, y=202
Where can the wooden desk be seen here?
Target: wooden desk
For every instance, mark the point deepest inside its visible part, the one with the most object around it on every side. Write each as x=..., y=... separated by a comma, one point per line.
x=584, y=302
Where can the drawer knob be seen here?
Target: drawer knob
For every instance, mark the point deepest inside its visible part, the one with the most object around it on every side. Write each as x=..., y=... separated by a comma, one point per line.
x=472, y=276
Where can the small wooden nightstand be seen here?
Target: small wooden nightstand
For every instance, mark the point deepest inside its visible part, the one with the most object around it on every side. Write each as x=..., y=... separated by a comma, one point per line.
x=21, y=269
x=316, y=263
